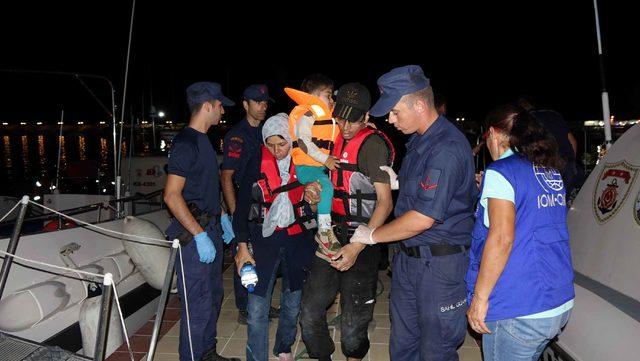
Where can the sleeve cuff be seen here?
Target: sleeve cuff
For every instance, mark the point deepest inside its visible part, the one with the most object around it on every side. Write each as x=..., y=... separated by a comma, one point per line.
x=424, y=208
x=177, y=172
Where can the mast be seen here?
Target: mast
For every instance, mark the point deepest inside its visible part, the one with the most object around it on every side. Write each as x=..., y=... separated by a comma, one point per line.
x=606, y=113
x=124, y=98
x=59, y=148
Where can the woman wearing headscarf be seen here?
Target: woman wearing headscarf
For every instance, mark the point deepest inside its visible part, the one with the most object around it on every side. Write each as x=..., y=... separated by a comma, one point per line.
x=280, y=239
x=520, y=278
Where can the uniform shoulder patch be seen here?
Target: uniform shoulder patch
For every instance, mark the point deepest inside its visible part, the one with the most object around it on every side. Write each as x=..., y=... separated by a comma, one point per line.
x=429, y=184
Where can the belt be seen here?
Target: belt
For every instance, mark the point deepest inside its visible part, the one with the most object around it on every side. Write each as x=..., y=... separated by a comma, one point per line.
x=203, y=220
x=437, y=250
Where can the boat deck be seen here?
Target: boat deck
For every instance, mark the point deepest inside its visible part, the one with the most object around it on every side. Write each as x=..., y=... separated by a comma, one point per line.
x=232, y=337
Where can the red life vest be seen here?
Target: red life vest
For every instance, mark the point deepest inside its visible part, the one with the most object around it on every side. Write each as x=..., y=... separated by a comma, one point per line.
x=354, y=196
x=269, y=184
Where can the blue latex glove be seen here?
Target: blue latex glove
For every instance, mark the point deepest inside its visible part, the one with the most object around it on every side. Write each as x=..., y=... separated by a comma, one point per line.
x=227, y=228
x=206, y=249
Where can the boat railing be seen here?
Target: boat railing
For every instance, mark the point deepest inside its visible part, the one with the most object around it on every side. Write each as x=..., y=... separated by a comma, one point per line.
x=149, y=199
x=109, y=291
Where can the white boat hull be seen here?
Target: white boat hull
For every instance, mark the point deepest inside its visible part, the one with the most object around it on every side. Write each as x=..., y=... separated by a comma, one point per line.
x=604, y=223
x=46, y=247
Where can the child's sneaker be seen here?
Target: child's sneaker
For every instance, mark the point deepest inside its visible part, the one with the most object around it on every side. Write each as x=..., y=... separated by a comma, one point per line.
x=328, y=244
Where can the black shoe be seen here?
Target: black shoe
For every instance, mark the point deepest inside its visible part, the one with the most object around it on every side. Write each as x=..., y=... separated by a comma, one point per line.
x=274, y=312
x=242, y=317
x=212, y=355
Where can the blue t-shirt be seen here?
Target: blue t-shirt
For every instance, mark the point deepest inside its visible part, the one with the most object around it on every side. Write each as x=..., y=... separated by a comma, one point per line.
x=496, y=186
x=437, y=179
x=192, y=157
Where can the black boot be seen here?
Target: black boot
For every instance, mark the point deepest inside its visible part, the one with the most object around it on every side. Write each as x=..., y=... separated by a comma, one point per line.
x=212, y=355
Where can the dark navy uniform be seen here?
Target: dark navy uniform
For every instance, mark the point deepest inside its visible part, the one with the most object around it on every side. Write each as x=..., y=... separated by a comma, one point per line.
x=428, y=306
x=428, y=297
x=242, y=151
x=242, y=154
x=193, y=157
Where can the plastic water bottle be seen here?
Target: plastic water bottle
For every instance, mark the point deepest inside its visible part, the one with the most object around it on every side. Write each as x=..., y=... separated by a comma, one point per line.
x=248, y=276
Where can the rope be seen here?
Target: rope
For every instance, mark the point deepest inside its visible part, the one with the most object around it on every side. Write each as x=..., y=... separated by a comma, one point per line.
x=53, y=266
x=124, y=327
x=186, y=302
x=8, y=213
x=100, y=228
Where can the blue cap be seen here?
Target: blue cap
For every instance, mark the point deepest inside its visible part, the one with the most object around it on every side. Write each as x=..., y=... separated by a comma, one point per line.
x=257, y=92
x=204, y=91
x=395, y=84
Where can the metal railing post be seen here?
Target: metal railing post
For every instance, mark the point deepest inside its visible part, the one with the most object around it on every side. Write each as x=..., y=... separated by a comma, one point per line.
x=103, y=322
x=13, y=243
x=118, y=196
x=163, y=300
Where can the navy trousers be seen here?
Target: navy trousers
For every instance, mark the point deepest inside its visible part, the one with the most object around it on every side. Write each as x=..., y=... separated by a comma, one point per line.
x=204, y=294
x=428, y=306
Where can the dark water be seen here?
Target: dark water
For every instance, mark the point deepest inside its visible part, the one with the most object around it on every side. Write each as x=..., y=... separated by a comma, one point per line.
x=86, y=158
x=28, y=157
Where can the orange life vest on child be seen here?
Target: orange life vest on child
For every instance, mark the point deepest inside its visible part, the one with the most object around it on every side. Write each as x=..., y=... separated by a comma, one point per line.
x=269, y=184
x=354, y=196
x=323, y=132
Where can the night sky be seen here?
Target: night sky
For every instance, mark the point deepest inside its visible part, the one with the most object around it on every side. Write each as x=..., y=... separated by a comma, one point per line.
x=478, y=55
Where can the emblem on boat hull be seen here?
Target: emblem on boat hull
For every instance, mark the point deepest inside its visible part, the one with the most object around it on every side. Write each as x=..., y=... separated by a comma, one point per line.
x=612, y=188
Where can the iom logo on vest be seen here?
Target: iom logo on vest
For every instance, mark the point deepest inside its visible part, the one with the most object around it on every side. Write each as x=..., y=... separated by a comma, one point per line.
x=551, y=181
x=548, y=178
x=612, y=189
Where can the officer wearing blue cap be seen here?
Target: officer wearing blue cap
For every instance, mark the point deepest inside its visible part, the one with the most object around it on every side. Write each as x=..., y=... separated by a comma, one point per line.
x=192, y=193
x=241, y=164
x=434, y=219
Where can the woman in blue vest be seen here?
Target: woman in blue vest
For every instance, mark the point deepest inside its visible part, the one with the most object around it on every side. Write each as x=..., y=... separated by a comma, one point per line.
x=520, y=277
x=280, y=238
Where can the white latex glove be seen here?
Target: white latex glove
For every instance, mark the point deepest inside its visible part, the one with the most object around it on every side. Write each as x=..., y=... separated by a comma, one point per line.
x=393, y=177
x=363, y=235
